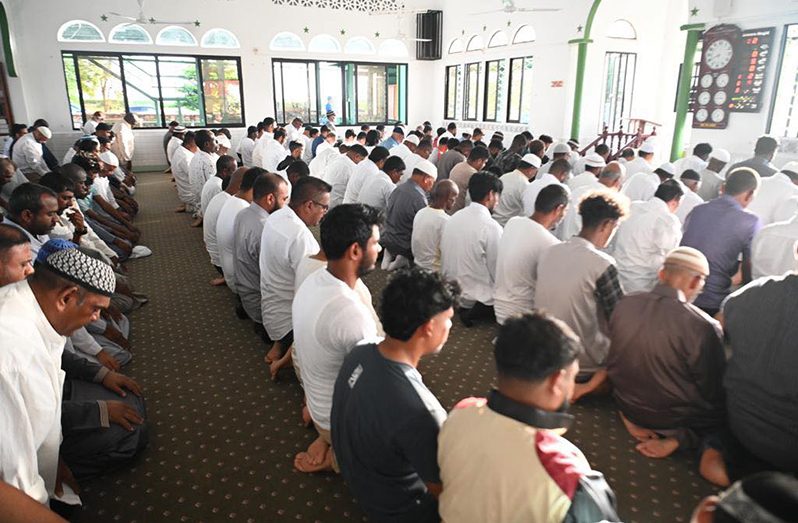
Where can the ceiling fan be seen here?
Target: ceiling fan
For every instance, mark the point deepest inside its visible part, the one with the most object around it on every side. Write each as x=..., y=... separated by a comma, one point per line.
x=509, y=7
x=142, y=19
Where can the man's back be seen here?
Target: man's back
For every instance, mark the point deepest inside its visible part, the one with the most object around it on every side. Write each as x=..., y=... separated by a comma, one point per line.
x=760, y=165
x=771, y=202
x=461, y=174
x=248, y=229
x=722, y=230
x=209, y=226
x=447, y=162
x=405, y=201
x=225, y=237
x=773, y=249
x=426, y=239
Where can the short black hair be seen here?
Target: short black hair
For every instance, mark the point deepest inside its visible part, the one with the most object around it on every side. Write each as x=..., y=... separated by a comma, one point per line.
x=496, y=144
x=603, y=148
x=308, y=188
x=299, y=168
x=88, y=146
x=324, y=129
x=18, y=127
x=10, y=237
x=359, y=150
x=380, y=127
x=313, y=132
x=529, y=136
x=28, y=197
x=225, y=161
x=702, y=149
x=372, y=137
x=451, y=126
x=413, y=297
x=361, y=136
x=669, y=190
x=204, y=137
x=534, y=346
x=225, y=131
x=691, y=174
x=560, y=165
x=393, y=163
x=741, y=180
x=600, y=206
x=425, y=143
x=349, y=133
x=766, y=145
x=189, y=137
x=252, y=130
x=551, y=197
x=250, y=176
x=56, y=183
x=545, y=138
x=294, y=145
x=347, y=224
x=536, y=146
x=479, y=153
x=88, y=163
x=482, y=183
x=268, y=121
x=266, y=183
x=279, y=133
x=627, y=153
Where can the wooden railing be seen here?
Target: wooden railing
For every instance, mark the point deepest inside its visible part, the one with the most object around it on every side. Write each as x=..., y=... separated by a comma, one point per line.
x=619, y=140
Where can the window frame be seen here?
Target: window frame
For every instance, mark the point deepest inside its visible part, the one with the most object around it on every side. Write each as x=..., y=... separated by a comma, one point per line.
x=466, y=92
x=457, y=93
x=510, y=87
x=162, y=116
x=618, y=111
x=776, y=79
x=495, y=118
x=344, y=116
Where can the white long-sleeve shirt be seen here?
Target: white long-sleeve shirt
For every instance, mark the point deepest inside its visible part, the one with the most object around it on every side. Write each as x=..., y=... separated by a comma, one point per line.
x=245, y=148
x=689, y=201
x=337, y=175
x=469, y=250
x=533, y=188
x=362, y=172
x=200, y=170
x=125, y=143
x=273, y=154
x=209, y=226
x=225, y=238
x=172, y=146
x=28, y=155
x=641, y=186
x=771, y=202
x=376, y=190
x=425, y=240
x=642, y=242
x=511, y=203
x=31, y=389
x=181, y=160
x=773, y=249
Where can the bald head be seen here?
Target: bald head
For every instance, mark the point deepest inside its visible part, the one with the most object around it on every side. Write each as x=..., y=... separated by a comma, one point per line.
x=444, y=194
x=611, y=175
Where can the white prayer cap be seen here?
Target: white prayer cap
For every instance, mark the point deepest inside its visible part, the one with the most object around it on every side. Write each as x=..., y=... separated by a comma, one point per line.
x=668, y=167
x=594, y=159
x=109, y=158
x=427, y=168
x=647, y=147
x=412, y=139
x=791, y=166
x=559, y=148
x=688, y=258
x=45, y=131
x=722, y=155
x=533, y=160
x=224, y=141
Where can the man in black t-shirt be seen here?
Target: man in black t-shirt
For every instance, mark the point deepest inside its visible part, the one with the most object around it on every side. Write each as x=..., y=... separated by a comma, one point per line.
x=385, y=421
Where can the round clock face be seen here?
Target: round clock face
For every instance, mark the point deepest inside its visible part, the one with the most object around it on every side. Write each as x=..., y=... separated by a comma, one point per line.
x=718, y=115
x=720, y=98
x=704, y=97
x=719, y=54
x=701, y=115
x=722, y=80
x=706, y=81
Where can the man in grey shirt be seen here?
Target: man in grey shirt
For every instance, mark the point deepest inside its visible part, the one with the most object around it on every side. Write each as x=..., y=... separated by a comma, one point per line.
x=764, y=151
x=457, y=153
x=405, y=201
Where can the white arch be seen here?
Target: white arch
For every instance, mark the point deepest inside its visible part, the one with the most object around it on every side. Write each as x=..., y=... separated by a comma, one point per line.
x=393, y=47
x=456, y=46
x=499, y=39
x=359, y=45
x=175, y=35
x=324, y=43
x=287, y=41
x=475, y=43
x=622, y=29
x=80, y=31
x=129, y=34
x=220, y=39
x=524, y=34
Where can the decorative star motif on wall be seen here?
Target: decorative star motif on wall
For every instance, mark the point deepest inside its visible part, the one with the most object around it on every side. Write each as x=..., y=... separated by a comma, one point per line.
x=694, y=11
x=104, y=18
x=484, y=28
x=306, y=29
x=196, y=23
x=509, y=23
x=343, y=31
x=579, y=28
x=462, y=32
x=377, y=34
x=151, y=20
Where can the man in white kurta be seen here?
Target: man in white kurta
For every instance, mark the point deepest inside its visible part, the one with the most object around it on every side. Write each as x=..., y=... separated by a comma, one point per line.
x=209, y=227
x=771, y=202
x=225, y=232
x=428, y=224
x=470, y=244
x=773, y=251
x=515, y=183
x=201, y=169
x=246, y=146
x=646, y=237
x=174, y=142
x=273, y=151
x=365, y=170
x=593, y=163
x=28, y=153
x=692, y=183
x=557, y=174
x=124, y=144
x=340, y=171
x=181, y=159
x=377, y=189
x=524, y=240
x=642, y=185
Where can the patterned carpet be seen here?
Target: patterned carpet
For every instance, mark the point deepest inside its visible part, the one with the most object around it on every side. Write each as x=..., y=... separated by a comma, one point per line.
x=224, y=436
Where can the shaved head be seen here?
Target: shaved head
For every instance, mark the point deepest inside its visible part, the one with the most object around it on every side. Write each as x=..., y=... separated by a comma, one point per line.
x=235, y=180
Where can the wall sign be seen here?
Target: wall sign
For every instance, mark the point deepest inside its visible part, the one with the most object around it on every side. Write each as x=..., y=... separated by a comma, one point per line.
x=715, y=77
x=753, y=57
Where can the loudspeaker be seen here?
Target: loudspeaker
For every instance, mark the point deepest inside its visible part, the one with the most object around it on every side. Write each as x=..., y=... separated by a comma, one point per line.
x=429, y=26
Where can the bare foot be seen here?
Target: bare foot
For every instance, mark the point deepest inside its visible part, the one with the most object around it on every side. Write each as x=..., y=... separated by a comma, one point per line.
x=317, y=450
x=658, y=448
x=182, y=208
x=713, y=469
x=637, y=432
x=216, y=282
x=307, y=421
x=275, y=367
x=197, y=222
x=273, y=354
x=303, y=464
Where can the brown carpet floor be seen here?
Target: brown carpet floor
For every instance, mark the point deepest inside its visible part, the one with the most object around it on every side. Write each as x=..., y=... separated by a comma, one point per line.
x=224, y=436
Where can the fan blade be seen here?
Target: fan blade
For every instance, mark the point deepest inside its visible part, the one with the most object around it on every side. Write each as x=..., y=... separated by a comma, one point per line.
x=488, y=12
x=538, y=9
x=120, y=15
x=168, y=22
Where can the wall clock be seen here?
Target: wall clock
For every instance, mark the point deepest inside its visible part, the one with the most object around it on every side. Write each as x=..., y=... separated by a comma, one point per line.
x=718, y=59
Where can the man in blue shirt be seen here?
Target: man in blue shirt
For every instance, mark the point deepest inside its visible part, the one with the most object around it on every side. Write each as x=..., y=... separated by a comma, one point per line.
x=397, y=137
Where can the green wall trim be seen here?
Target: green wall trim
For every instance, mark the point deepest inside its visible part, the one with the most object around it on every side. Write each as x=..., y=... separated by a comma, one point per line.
x=683, y=92
x=692, y=27
x=6, y=35
x=580, y=70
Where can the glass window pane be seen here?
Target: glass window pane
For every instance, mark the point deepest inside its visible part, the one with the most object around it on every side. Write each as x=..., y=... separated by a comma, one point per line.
x=359, y=45
x=524, y=34
x=452, y=92
x=456, y=46
x=222, y=89
x=516, y=78
x=471, y=92
x=331, y=89
x=396, y=84
x=784, y=121
x=277, y=69
x=526, y=92
x=491, y=92
x=101, y=83
x=80, y=31
x=220, y=38
x=371, y=93
x=181, y=90
x=130, y=34
x=174, y=35
x=324, y=44
x=619, y=73
x=72, y=91
x=299, y=91
x=286, y=41
x=141, y=82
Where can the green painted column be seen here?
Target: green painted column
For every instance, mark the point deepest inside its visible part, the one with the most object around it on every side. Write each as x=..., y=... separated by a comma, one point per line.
x=581, y=61
x=6, y=35
x=683, y=91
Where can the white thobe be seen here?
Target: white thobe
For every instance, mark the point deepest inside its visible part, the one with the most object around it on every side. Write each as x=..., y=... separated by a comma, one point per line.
x=318, y=165
x=225, y=238
x=511, y=203
x=642, y=242
x=401, y=150
x=376, y=190
x=411, y=160
x=125, y=143
x=771, y=202
x=586, y=178
x=689, y=162
x=522, y=243
x=689, y=201
x=284, y=242
x=638, y=165
x=469, y=250
x=571, y=223
x=337, y=175
x=181, y=159
x=211, y=188
x=773, y=249
x=533, y=188
x=273, y=154
x=200, y=170
x=209, y=226
x=28, y=155
x=245, y=148
x=363, y=171
x=68, y=155
x=90, y=127
x=641, y=186
x=31, y=389
x=425, y=241
x=171, y=146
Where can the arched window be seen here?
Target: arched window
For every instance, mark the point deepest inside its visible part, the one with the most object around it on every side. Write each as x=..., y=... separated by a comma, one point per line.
x=324, y=43
x=220, y=38
x=499, y=39
x=359, y=45
x=622, y=29
x=129, y=34
x=393, y=47
x=475, y=43
x=524, y=34
x=175, y=35
x=286, y=42
x=80, y=31
x=456, y=46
